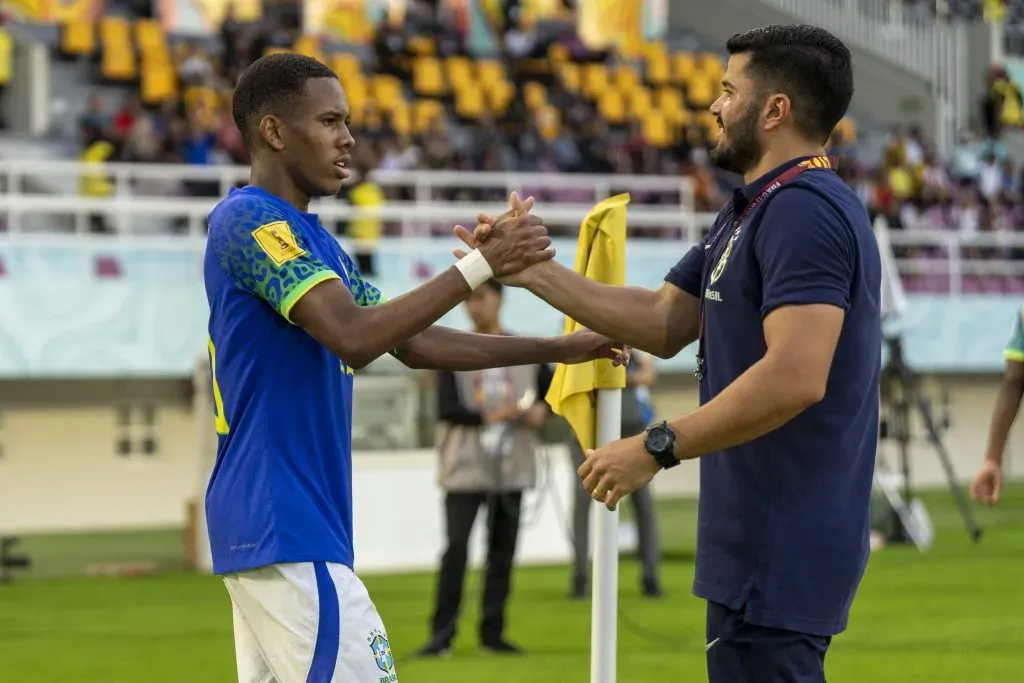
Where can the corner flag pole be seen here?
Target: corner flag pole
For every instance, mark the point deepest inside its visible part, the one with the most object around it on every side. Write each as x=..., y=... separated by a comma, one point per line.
x=600, y=256
x=605, y=603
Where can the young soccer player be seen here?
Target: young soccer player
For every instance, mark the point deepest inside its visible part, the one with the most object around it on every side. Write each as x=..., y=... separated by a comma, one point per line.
x=290, y=318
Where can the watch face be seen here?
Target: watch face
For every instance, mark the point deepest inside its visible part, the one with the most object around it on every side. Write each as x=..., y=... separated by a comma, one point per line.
x=659, y=440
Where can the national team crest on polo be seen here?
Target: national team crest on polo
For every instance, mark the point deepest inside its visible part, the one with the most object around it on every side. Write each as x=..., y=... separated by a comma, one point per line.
x=381, y=649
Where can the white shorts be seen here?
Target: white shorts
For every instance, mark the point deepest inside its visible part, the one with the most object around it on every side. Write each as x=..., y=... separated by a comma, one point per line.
x=309, y=622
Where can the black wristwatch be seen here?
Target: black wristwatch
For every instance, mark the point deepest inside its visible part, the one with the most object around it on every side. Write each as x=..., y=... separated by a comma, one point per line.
x=660, y=442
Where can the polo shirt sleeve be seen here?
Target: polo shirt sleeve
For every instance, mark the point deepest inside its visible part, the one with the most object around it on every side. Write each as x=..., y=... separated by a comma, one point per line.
x=1015, y=348
x=805, y=250
x=686, y=274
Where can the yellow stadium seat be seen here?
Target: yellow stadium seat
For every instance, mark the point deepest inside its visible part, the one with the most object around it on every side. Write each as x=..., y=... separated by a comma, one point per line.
x=346, y=66
x=595, y=79
x=656, y=130
x=535, y=95
x=422, y=46
x=558, y=53
x=500, y=95
x=425, y=114
x=569, y=76
x=159, y=83
x=702, y=90
x=658, y=70
x=654, y=50
x=711, y=65
x=356, y=91
x=427, y=77
x=309, y=46
x=401, y=120
x=611, y=106
x=683, y=67
x=638, y=102
x=118, y=59
x=386, y=91
x=149, y=35
x=459, y=71
x=470, y=103
x=490, y=71
x=669, y=100
x=626, y=77
x=549, y=121
x=847, y=129
x=78, y=38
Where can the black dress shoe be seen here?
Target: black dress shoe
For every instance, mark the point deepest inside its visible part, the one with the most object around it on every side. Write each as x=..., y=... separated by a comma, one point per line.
x=579, y=588
x=501, y=646
x=435, y=648
x=652, y=589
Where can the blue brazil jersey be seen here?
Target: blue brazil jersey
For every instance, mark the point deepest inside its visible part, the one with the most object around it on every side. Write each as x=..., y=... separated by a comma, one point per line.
x=281, y=489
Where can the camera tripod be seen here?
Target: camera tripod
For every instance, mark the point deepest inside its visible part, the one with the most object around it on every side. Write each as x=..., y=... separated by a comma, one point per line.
x=900, y=393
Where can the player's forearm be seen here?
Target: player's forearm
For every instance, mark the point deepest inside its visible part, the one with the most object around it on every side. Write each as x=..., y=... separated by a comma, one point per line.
x=762, y=399
x=1003, y=415
x=379, y=329
x=443, y=348
x=632, y=315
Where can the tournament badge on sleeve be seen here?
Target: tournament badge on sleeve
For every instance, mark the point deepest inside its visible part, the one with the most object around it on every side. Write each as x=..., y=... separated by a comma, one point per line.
x=382, y=655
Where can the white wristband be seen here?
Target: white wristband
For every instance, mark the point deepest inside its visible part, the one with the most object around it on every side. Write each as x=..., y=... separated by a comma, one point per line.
x=475, y=268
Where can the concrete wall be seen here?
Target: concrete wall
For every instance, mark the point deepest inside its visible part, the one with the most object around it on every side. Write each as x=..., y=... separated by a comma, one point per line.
x=884, y=94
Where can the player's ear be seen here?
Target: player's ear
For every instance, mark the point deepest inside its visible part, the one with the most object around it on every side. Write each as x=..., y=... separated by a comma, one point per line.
x=270, y=131
x=776, y=110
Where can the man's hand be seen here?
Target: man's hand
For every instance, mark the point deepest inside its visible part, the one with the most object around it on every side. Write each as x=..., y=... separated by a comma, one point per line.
x=487, y=229
x=988, y=483
x=583, y=345
x=611, y=472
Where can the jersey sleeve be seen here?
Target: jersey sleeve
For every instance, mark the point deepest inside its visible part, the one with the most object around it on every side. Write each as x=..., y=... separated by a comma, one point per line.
x=363, y=291
x=267, y=257
x=806, y=252
x=686, y=274
x=1015, y=348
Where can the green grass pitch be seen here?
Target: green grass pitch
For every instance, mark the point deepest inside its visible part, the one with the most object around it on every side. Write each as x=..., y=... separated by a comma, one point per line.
x=951, y=615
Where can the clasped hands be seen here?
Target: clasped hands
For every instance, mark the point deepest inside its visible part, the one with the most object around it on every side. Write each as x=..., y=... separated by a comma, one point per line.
x=619, y=468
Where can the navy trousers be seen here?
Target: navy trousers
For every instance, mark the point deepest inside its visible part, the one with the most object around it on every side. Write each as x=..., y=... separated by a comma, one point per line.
x=740, y=652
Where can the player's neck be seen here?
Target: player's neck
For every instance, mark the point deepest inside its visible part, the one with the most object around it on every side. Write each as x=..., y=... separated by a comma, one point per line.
x=278, y=183
x=776, y=156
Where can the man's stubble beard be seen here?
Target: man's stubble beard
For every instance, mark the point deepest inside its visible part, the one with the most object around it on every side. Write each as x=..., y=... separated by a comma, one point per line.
x=738, y=149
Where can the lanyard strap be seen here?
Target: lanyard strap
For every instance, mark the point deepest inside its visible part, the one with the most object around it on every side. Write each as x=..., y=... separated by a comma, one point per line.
x=714, y=251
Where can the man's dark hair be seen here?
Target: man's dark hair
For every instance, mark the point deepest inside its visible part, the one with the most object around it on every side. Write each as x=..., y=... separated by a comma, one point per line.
x=269, y=85
x=808, y=64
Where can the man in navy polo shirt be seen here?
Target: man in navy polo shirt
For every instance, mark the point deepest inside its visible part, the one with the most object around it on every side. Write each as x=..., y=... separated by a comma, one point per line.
x=783, y=296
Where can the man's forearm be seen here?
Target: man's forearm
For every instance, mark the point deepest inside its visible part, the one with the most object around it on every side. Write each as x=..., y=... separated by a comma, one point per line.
x=1003, y=415
x=629, y=314
x=761, y=400
x=443, y=348
x=389, y=325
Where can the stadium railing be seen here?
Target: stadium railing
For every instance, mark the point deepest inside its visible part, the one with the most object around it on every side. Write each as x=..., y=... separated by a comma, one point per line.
x=139, y=194
x=135, y=208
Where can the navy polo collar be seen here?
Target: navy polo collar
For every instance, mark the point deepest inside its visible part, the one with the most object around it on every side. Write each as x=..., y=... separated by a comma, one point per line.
x=742, y=196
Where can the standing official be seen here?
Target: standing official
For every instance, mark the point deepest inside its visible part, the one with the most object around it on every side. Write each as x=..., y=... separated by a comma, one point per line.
x=487, y=439
x=783, y=297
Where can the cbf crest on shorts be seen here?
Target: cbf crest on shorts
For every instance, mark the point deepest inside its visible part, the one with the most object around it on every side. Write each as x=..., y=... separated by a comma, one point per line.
x=381, y=649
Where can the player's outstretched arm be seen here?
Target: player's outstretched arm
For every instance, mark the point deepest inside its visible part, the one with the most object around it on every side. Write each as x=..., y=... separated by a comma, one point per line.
x=360, y=334
x=443, y=348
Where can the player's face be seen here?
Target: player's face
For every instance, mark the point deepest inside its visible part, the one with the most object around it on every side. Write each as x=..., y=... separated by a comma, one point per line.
x=738, y=109
x=319, y=141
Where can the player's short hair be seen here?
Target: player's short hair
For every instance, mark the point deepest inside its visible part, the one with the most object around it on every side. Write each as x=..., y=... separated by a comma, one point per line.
x=808, y=64
x=269, y=85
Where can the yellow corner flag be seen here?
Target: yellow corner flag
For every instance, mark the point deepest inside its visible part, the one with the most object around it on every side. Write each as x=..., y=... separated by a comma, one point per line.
x=600, y=256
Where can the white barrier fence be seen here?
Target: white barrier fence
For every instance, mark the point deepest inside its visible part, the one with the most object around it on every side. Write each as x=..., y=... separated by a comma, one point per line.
x=143, y=197
x=132, y=213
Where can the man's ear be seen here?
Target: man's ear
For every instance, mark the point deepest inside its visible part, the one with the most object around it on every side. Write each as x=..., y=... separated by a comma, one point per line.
x=777, y=110
x=272, y=132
